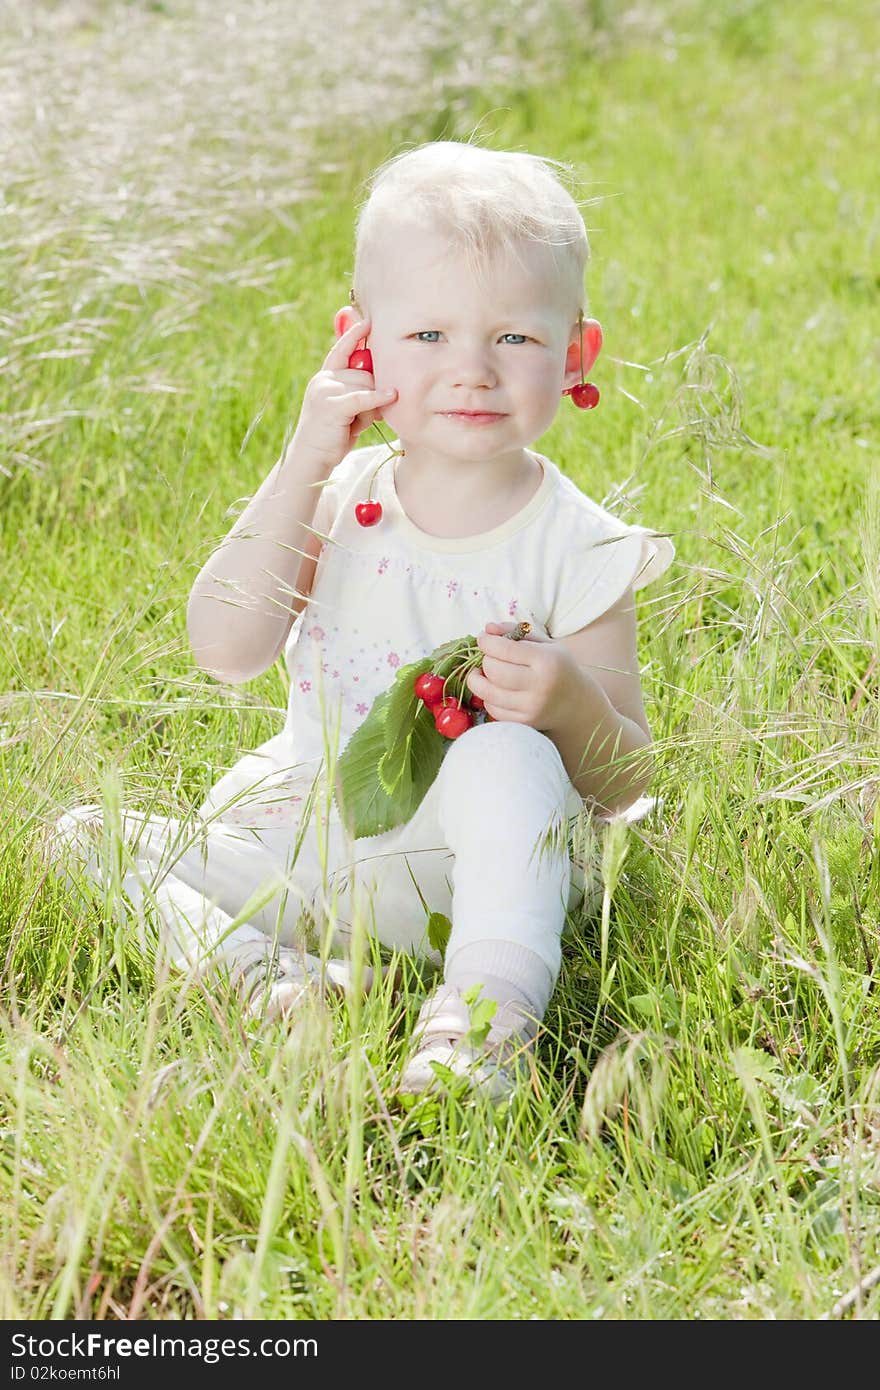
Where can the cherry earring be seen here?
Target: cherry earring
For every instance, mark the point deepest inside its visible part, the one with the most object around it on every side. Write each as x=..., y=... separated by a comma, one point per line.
x=584, y=394
x=369, y=512
x=361, y=360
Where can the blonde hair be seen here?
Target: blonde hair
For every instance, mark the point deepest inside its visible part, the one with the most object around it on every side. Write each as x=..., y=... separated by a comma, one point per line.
x=486, y=201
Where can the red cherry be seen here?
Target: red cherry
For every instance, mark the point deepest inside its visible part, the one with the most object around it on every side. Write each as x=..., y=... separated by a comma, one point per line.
x=368, y=513
x=451, y=720
x=429, y=688
x=361, y=360
x=451, y=702
x=585, y=395
x=476, y=702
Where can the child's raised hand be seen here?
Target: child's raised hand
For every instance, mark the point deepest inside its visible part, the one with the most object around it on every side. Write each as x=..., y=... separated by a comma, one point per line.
x=339, y=402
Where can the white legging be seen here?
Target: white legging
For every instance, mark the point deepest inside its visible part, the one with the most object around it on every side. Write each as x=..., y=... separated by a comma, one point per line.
x=488, y=847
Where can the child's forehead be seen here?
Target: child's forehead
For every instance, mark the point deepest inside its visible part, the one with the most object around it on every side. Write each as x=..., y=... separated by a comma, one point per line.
x=419, y=269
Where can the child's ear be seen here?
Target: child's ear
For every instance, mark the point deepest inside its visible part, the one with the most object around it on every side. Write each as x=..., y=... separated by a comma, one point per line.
x=591, y=338
x=344, y=318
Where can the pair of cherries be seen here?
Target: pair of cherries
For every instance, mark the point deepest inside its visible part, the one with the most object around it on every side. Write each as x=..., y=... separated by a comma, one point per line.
x=369, y=512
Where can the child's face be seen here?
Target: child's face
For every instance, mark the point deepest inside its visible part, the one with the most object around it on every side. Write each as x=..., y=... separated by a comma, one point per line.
x=453, y=345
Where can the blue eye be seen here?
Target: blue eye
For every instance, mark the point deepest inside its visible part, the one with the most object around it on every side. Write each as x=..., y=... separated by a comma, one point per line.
x=426, y=332
x=522, y=337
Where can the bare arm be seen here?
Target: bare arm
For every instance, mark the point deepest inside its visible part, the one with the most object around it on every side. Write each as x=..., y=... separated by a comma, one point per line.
x=602, y=733
x=606, y=754
x=247, y=594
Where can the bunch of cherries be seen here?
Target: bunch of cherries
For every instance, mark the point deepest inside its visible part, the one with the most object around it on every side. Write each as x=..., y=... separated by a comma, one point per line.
x=455, y=714
x=452, y=717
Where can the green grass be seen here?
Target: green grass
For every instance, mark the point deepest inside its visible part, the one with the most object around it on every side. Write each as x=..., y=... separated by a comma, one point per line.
x=700, y=1136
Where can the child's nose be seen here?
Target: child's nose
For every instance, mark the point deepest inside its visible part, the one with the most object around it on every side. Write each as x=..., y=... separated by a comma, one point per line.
x=474, y=369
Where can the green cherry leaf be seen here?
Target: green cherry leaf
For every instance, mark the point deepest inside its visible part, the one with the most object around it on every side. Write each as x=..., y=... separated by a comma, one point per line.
x=394, y=767
x=403, y=703
x=394, y=755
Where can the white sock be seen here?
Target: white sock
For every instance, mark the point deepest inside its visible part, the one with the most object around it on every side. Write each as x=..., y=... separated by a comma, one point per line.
x=506, y=972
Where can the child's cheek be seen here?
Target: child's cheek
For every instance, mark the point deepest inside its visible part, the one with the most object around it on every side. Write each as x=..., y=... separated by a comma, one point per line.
x=393, y=412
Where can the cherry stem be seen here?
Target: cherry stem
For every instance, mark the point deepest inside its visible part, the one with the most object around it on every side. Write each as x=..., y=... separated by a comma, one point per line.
x=393, y=454
x=460, y=672
x=581, y=341
x=465, y=659
x=381, y=434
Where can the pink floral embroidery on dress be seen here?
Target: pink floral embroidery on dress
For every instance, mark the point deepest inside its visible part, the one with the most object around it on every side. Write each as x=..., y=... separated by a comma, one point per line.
x=452, y=588
x=511, y=608
x=382, y=565
x=361, y=708
x=393, y=659
x=317, y=632
x=257, y=817
x=305, y=686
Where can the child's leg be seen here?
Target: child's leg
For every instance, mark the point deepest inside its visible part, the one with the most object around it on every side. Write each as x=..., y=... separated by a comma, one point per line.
x=488, y=847
x=473, y=840
x=198, y=878
x=504, y=805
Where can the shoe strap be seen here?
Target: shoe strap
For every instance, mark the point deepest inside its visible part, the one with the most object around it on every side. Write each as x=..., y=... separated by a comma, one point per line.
x=445, y=1015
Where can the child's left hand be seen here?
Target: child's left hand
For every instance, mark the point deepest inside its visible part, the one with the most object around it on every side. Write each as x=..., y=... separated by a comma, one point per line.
x=532, y=681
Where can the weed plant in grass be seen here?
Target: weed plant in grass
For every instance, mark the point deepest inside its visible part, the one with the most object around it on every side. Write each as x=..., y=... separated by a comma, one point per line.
x=699, y=1138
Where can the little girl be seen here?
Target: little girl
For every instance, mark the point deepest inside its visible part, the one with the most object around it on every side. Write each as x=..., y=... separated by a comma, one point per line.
x=465, y=330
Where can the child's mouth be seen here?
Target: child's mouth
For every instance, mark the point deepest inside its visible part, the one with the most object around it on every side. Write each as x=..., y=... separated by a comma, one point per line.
x=474, y=417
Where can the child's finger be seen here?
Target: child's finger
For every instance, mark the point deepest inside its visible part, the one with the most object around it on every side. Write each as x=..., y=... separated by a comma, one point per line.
x=359, y=402
x=534, y=633
x=502, y=648
x=496, y=630
x=344, y=346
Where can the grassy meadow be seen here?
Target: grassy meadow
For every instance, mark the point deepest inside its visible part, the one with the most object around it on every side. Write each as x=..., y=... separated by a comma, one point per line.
x=700, y=1138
